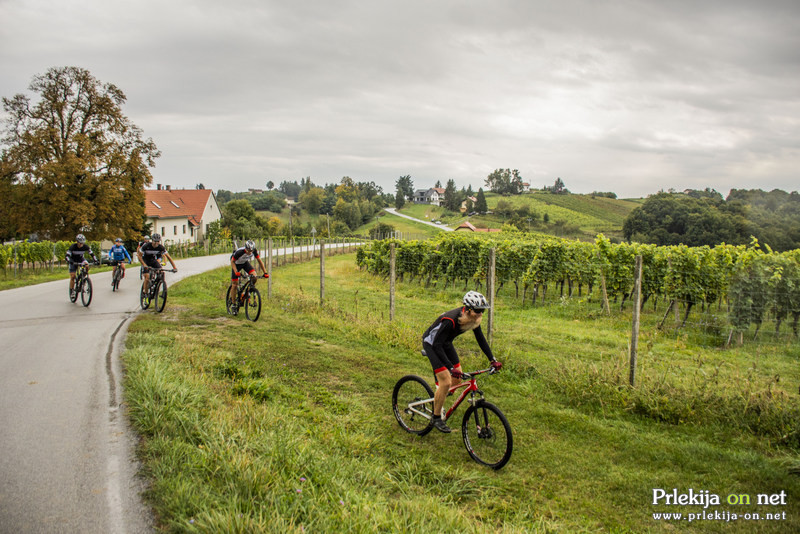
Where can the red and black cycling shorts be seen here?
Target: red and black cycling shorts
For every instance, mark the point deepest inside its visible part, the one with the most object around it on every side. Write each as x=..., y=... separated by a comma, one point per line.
x=245, y=267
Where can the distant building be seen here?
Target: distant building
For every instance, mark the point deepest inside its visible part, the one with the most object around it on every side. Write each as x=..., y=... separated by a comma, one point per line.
x=181, y=215
x=464, y=203
x=434, y=195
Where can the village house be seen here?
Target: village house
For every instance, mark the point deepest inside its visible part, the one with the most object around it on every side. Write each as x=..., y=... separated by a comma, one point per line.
x=181, y=215
x=434, y=195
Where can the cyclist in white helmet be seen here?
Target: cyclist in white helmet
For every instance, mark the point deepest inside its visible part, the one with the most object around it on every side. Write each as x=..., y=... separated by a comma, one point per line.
x=240, y=261
x=437, y=344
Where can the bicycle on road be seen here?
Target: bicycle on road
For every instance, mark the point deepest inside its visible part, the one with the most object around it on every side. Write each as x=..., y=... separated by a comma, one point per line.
x=83, y=285
x=157, y=292
x=485, y=430
x=117, y=275
x=248, y=297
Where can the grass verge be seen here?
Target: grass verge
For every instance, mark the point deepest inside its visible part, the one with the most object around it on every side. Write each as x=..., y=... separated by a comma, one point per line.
x=285, y=425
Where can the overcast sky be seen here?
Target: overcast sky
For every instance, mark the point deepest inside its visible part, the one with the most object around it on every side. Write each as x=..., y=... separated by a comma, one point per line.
x=619, y=95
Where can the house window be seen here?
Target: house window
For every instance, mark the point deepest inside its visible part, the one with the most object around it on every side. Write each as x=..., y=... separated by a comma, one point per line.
x=175, y=230
x=162, y=232
x=184, y=228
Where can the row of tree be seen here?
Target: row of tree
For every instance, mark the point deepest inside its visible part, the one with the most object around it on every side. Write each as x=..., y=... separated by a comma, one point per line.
x=697, y=218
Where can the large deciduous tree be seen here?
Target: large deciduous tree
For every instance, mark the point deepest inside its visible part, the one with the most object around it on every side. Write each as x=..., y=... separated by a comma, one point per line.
x=72, y=161
x=505, y=181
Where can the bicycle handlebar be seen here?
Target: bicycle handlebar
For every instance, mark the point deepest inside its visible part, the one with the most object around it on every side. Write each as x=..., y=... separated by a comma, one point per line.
x=159, y=269
x=471, y=374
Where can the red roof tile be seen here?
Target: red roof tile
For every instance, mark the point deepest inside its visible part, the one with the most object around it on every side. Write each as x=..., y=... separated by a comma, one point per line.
x=166, y=203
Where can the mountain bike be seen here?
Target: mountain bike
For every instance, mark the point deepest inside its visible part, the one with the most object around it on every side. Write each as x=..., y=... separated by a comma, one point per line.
x=83, y=285
x=117, y=275
x=485, y=430
x=157, y=291
x=247, y=296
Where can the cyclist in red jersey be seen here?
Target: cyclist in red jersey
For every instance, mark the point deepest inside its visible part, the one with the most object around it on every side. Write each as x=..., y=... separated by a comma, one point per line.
x=437, y=343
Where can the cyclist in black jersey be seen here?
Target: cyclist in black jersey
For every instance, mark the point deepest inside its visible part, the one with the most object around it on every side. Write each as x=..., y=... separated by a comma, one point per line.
x=75, y=258
x=437, y=344
x=240, y=261
x=150, y=256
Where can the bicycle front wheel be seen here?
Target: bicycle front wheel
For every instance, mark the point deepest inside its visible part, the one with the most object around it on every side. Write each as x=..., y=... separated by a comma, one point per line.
x=86, y=292
x=160, y=296
x=412, y=403
x=252, y=304
x=487, y=435
x=116, y=278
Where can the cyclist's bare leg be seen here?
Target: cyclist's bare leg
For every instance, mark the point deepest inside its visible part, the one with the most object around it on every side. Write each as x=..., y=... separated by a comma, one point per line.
x=146, y=281
x=234, y=289
x=445, y=381
x=71, y=281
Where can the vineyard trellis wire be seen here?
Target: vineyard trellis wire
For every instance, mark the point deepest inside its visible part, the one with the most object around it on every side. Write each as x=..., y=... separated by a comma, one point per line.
x=727, y=292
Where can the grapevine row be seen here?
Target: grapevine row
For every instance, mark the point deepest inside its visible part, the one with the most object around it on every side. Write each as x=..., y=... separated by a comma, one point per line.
x=751, y=280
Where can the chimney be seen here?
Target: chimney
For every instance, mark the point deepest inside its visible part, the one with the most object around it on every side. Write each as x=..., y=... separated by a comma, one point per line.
x=158, y=187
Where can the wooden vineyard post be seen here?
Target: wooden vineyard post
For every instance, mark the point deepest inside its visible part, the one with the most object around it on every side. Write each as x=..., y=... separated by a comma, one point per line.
x=492, y=267
x=637, y=304
x=392, y=256
x=321, y=273
x=269, y=268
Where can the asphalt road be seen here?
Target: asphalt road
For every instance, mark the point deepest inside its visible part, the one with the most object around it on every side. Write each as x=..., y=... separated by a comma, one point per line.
x=394, y=211
x=67, y=459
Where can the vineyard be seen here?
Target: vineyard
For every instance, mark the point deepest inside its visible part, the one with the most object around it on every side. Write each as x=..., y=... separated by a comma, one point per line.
x=734, y=290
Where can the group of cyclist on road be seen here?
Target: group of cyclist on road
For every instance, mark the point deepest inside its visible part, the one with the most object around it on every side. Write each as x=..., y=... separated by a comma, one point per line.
x=150, y=252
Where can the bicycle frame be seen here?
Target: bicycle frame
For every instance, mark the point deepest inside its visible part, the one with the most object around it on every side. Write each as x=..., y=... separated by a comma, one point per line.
x=470, y=388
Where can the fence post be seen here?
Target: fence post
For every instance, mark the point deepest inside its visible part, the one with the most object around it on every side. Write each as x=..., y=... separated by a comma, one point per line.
x=637, y=304
x=491, y=282
x=269, y=267
x=321, y=274
x=391, y=280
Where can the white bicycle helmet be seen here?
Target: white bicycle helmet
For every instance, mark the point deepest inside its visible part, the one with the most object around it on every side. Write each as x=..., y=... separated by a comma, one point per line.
x=475, y=301
x=250, y=245
x=80, y=238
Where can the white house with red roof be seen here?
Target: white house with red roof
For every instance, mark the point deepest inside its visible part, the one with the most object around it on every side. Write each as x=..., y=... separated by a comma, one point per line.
x=181, y=215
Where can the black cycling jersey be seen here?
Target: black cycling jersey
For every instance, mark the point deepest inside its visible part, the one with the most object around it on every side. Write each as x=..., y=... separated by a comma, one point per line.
x=75, y=253
x=242, y=256
x=151, y=254
x=438, y=338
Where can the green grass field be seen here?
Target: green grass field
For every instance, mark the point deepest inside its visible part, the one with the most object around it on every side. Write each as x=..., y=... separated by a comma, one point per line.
x=285, y=425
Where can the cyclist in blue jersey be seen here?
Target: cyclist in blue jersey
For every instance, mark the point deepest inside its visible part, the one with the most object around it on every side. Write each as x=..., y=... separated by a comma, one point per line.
x=437, y=344
x=117, y=254
x=75, y=258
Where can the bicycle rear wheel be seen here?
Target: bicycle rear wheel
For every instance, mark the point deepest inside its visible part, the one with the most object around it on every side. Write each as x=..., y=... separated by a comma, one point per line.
x=412, y=403
x=252, y=304
x=144, y=297
x=86, y=292
x=160, y=295
x=487, y=435
x=73, y=293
